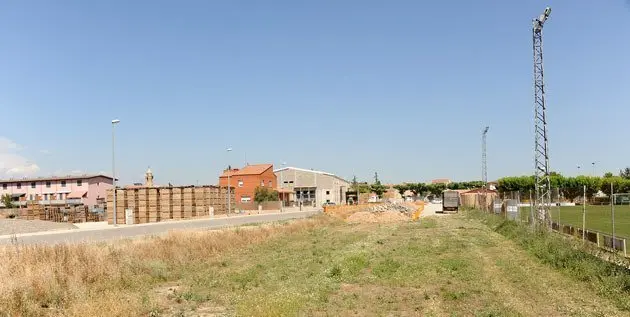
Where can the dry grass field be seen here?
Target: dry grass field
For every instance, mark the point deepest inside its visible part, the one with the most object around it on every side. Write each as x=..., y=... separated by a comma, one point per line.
x=446, y=266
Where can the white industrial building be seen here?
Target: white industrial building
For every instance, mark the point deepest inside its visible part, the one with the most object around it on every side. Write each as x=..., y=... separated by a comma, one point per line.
x=312, y=188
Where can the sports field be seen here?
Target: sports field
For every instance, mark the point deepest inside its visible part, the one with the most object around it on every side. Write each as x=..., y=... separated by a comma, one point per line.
x=598, y=217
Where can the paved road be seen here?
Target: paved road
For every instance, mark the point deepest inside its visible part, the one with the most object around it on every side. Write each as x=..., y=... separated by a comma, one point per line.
x=121, y=232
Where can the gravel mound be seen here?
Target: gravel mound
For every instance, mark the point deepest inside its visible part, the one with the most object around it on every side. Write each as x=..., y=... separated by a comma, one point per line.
x=382, y=213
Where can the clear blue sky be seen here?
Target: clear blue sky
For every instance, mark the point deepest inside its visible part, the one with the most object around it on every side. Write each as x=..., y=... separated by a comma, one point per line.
x=351, y=87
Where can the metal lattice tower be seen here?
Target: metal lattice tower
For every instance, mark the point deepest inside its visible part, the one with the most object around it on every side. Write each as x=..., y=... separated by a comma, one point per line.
x=541, y=150
x=484, y=162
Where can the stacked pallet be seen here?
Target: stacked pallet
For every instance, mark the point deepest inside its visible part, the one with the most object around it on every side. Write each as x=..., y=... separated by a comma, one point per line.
x=121, y=204
x=177, y=201
x=154, y=205
x=189, y=202
x=200, y=208
x=110, y=206
x=132, y=203
x=143, y=205
x=166, y=205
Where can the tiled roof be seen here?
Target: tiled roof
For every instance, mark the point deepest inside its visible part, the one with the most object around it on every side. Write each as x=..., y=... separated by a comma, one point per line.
x=256, y=169
x=52, y=178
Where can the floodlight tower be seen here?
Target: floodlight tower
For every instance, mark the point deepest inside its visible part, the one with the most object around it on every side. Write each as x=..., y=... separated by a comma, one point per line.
x=484, y=162
x=541, y=150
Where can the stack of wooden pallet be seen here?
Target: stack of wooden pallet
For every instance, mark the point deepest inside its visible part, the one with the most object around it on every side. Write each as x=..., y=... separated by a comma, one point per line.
x=189, y=202
x=166, y=205
x=154, y=205
x=132, y=203
x=178, y=207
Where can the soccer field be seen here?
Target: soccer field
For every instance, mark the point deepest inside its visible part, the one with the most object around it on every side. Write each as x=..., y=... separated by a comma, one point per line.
x=598, y=218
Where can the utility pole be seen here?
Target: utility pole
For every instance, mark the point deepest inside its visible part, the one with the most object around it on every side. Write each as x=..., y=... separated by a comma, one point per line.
x=484, y=168
x=541, y=149
x=114, y=123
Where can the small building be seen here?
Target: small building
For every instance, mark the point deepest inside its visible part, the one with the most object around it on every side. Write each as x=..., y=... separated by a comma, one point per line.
x=312, y=188
x=245, y=180
x=444, y=181
x=88, y=190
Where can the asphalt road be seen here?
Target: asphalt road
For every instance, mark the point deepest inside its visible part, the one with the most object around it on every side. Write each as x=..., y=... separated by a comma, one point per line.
x=131, y=231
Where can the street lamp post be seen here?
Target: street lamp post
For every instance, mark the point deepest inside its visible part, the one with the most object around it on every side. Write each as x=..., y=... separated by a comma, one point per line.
x=114, y=123
x=229, y=201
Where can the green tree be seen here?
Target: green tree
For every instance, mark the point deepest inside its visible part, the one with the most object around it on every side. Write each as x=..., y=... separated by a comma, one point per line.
x=608, y=175
x=377, y=187
x=402, y=188
x=625, y=173
x=616, y=183
x=7, y=201
x=355, y=184
x=436, y=189
x=262, y=194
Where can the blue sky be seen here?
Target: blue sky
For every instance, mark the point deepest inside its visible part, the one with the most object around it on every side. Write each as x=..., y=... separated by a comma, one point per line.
x=351, y=87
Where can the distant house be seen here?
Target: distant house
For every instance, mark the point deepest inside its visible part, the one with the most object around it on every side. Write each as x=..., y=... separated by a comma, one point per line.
x=245, y=180
x=86, y=190
x=444, y=181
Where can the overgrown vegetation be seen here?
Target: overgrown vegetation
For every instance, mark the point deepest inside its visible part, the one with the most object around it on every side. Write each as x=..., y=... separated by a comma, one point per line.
x=262, y=194
x=435, y=267
x=568, y=256
x=7, y=201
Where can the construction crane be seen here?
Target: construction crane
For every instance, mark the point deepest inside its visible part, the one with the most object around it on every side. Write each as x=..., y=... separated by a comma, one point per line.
x=541, y=150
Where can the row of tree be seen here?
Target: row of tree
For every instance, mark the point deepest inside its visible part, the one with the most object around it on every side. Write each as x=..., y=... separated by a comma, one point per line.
x=570, y=187
x=422, y=189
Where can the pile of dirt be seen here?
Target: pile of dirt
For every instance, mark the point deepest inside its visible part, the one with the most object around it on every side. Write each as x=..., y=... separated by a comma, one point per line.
x=377, y=217
x=401, y=208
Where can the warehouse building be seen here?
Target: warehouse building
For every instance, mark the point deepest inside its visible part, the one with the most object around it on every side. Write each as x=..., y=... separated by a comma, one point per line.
x=311, y=188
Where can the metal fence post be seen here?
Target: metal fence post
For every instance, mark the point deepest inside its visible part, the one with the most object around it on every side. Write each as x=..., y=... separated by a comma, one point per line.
x=612, y=210
x=598, y=244
x=584, y=215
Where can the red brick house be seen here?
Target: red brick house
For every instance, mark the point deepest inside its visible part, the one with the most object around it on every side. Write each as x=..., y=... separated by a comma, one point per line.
x=245, y=180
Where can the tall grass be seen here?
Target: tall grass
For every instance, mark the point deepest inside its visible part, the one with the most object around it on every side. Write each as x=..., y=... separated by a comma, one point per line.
x=102, y=279
x=566, y=255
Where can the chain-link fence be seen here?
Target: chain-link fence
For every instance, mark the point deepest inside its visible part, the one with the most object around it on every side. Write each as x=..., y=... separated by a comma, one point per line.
x=602, y=217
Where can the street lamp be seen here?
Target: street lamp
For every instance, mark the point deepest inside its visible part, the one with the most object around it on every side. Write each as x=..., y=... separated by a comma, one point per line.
x=114, y=123
x=229, y=204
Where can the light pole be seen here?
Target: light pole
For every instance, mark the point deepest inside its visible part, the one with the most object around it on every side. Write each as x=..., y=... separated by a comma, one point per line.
x=282, y=184
x=229, y=201
x=593, y=168
x=114, y=123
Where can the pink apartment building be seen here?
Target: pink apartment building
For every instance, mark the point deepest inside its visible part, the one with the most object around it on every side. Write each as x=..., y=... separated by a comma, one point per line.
x=65, y=190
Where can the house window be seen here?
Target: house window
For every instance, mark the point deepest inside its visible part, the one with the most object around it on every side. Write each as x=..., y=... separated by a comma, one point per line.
x=4, y=186
x=245, y=199
x=45, y=196
x=48, y=184
x=270, y=184
x=79, y=182
x=240, y=183
x=19, y=185
x=30, y=197
x=262, y=183
x=63, y=183
x=327, y=192
x=33, y=185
